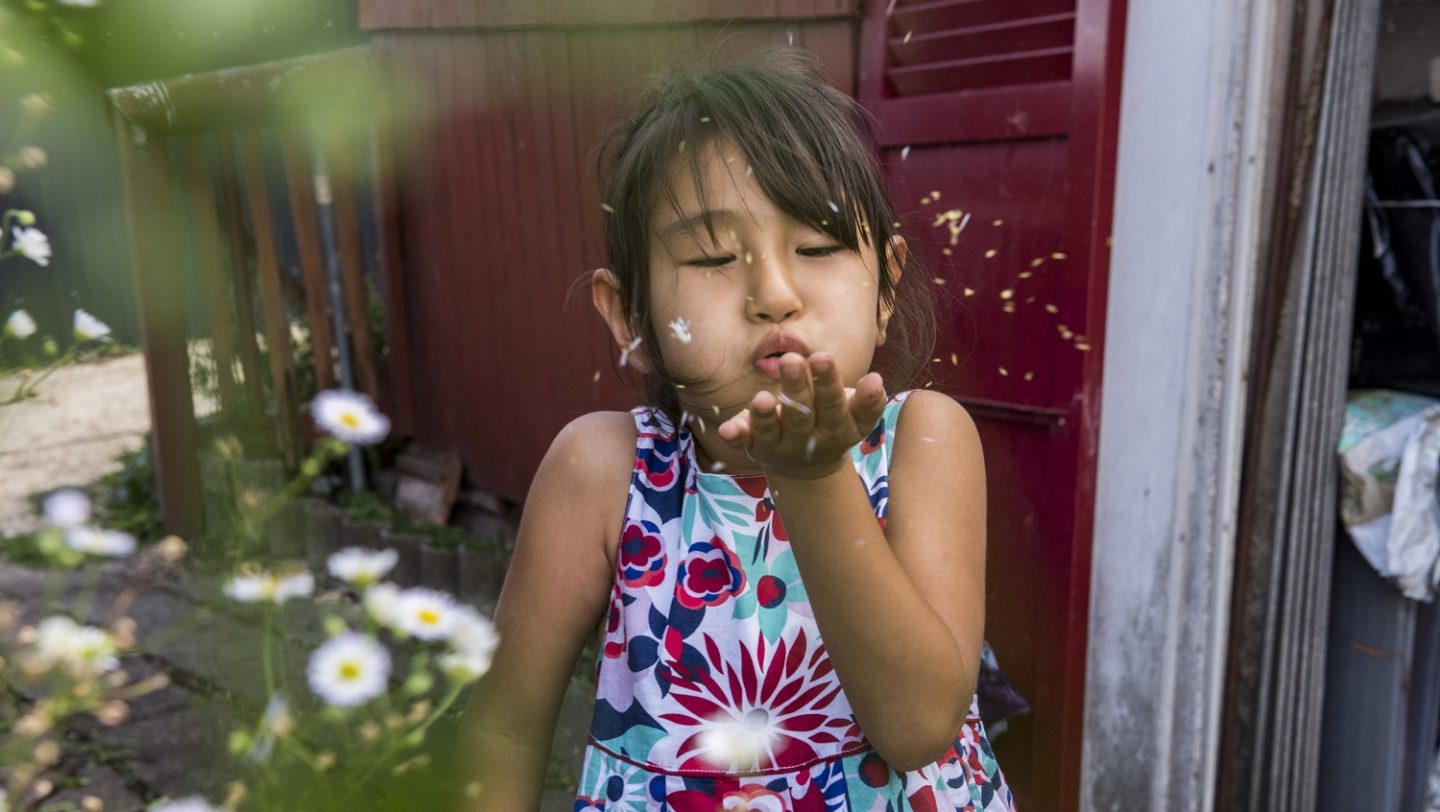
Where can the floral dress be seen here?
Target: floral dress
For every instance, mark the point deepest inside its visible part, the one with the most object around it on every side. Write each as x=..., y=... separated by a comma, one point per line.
x=714, y=691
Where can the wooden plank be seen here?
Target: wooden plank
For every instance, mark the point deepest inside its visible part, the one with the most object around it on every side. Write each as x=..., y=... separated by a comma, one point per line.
x=312, y=263
x=352, y=270
x=248, y=349
x=447, y=14
x=215, y=283
x=272, y=295
x=267, y=93
x=396, y=396
x=150, y=224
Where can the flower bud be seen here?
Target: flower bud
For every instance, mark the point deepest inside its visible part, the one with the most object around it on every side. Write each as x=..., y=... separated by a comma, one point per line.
x=32, y=157
x=239, y=742
x=25, y=217
x=7, y=179
x=92, y=803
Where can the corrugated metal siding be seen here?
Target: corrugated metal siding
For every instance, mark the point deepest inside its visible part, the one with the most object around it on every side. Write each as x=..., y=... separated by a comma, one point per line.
x=502, y=219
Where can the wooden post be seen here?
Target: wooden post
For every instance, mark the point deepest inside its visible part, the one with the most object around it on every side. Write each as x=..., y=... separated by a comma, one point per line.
x=159, y=286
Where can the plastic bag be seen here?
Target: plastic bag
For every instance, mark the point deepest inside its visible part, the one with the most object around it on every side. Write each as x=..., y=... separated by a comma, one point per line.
x=1389, y=467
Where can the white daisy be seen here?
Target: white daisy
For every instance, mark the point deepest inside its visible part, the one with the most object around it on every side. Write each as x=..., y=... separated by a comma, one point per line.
x=99, y=541
x=81, y=650
x=82, y=4
x=382, y=603
x=89, y=328
x=32, y=244
x=361, y=567
x=350, y=416
x=194, y=803
x=20, y=325
x=681, y=328
x=250, y=587
x=472, y=642
x=67, y=508
x=349, y=669
x=427, y=614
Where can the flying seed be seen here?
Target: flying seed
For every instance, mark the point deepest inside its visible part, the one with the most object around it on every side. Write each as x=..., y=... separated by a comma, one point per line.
x=684, y=418
x=969, y=291
x=810, y=447
x=997, y=222
x=679, y=386
x=834, y=207
x=596, y=378
x=946, y=251
x=797, y=406
x=937, y=280
x=1008, y=307
x=1029, y=300
x=1005, y=372
x=701, y=421
x=1029, y=376
x=1006, y=293
x=1037, y=262
x=1083, y=347
x=681, y=148
x=935, y=195
x=934, y=360
x=1024, y=274
x=704, y=119
x=1057, y=255
x=954, y=359
x=906, y=40
x=925, y=200
x=717, y=466
x=824, y=222
x=991, y=253
x=1050, y=308
x=904, y=153
x=749, y=259
x=625, y=352
x=609, y=209
x=681, y=328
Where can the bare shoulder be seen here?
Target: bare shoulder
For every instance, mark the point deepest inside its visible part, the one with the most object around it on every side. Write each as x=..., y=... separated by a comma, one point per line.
x=932, y=422
x=586, y=472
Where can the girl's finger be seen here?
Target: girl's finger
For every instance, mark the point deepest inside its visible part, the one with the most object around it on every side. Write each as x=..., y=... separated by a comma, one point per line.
x=764, y=420
x=830, y=396
x=868, y=402
x=736, y=430
x=797, y=418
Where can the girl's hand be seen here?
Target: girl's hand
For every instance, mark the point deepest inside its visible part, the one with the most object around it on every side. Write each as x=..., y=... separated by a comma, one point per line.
x=807, y=432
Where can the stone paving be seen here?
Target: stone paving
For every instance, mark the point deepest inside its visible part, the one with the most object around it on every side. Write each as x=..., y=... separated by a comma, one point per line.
x=173, y=743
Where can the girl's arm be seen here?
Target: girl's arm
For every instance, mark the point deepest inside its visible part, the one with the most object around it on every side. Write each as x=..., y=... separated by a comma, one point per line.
x=901, y=609
x=555, y=594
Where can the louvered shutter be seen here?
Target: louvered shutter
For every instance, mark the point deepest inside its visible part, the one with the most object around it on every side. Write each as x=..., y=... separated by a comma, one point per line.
x=996, y=122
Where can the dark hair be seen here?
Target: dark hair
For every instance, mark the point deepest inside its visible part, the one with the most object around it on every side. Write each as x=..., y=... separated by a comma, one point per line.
x=810, y=148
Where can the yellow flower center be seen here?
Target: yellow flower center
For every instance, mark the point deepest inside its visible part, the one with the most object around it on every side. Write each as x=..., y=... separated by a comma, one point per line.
x=350, y=419
x=429, y=617
x=349, y=671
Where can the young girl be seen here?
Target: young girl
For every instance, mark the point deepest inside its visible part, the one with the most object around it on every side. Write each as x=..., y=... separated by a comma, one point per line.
x=786, y=565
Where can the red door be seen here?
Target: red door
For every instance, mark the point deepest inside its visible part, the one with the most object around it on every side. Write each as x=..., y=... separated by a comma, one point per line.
x=997, y=122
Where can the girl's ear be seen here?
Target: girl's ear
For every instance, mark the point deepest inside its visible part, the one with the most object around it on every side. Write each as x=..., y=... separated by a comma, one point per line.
x=895, y=257
x=605, y=294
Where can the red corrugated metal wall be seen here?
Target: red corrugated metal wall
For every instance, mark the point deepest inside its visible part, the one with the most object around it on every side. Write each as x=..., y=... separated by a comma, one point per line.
x=502, y=210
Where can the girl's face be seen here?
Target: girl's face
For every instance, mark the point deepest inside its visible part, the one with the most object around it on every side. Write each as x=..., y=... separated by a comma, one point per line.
x=766, y=284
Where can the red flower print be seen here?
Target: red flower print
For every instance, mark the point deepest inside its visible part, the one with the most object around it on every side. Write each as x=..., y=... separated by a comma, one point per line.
x=642, y=555
x=614, y=633
x=770, y=591
x=710, y=575
x=768, y=709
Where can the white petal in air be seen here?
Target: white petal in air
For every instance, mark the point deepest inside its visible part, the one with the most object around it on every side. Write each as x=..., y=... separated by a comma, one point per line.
x=681, y=329
x=98, y=541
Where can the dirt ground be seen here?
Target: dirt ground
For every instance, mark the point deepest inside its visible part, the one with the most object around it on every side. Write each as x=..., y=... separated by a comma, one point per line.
x=85, y=415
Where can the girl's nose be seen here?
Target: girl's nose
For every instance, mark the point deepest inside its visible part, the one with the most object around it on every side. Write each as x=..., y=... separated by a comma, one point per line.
x=773, y=295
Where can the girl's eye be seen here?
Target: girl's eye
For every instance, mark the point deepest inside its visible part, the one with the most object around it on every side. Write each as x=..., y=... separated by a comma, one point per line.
x=718, y=261
x=820, y=251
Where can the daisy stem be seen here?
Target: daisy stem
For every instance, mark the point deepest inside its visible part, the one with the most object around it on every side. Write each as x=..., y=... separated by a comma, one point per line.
x=255, y=520
x=85, y=602
x=29, y=386
x=269, y=664
x=395, y=743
